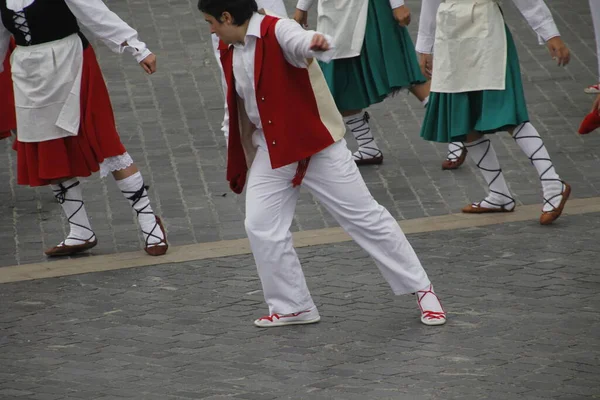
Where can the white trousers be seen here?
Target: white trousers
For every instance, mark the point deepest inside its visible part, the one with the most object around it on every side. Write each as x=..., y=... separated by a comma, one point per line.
x=333, y=178
x=595, y=11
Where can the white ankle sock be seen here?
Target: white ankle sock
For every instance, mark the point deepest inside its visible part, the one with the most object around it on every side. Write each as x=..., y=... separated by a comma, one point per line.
x=134, y=190
x=483, y=154
x=70, y=197
x=358, y=124
x=529, y=140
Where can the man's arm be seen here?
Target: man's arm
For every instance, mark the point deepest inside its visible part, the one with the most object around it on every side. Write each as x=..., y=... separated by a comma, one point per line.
x=247, y=129
x=299, y=45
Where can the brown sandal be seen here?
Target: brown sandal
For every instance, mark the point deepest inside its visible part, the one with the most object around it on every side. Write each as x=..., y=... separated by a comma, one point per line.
x=549, y=217
x=68, y=250
x=157, y=249
x=455, y=164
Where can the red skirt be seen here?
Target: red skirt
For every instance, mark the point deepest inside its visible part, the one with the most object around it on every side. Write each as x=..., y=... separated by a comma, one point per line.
x=75, y=156
x=8, y=120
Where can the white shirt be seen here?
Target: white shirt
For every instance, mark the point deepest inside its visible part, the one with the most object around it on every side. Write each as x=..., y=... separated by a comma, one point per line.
x=102, y=23
x=295, y=44
x=536, y=12
x=306, y=4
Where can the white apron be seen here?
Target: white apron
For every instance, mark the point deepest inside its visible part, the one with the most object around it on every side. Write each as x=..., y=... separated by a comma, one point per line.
x=470, y=47
x=47, y=85
x=346, y=22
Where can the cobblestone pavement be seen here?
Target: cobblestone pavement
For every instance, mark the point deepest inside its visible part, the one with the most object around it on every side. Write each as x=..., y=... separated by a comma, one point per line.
x=523, y=309
x=170, y=124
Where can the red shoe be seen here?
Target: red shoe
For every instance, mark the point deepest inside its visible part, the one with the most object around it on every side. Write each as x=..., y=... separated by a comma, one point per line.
x=594, y=89
x=428, y=317
x=590, y=123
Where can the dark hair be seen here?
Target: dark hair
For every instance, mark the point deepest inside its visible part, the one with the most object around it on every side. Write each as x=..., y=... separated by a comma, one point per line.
x=240, y=10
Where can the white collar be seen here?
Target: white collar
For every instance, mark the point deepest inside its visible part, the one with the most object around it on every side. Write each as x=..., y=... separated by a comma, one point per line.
x=18, y=5
x=254, y=25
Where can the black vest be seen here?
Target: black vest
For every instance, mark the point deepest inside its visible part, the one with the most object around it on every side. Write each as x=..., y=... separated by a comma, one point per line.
x=48, y=20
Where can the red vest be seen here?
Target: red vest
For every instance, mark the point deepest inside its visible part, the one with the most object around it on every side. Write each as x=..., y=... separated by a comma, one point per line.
x=287, y=106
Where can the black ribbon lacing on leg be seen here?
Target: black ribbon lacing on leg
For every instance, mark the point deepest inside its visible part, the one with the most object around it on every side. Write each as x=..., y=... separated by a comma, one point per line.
x=533, y=158
x=135, y=198
x=61, y=197
x=363, y=143
x=455, y=153
x=511, y=201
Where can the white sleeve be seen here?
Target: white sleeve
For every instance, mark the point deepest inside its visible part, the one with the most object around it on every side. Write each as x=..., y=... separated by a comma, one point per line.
x=225, y=123
x=304, y=5
x=108, y=27
x=295, y=43
x=539, y=18
x=396, y=3
x=427, y=26
x=4, y=41
x=275, y=6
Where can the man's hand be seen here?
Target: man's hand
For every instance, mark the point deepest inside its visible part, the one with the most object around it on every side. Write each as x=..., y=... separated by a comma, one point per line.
x=559, y=51
x=149, y=64
x=426, y=64
x=402, y=15
x=301, y=17
x=319, y=43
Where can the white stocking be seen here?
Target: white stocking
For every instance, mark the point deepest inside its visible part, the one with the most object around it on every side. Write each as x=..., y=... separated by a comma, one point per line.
x=68, y=194
x=455, y=150
x=529, y=140
x=134, y=190
x=483, y=154
x=359, y=126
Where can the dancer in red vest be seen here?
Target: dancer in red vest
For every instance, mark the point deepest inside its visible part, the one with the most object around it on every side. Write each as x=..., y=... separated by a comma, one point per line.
x=65, y=123
x=285, y=124
x=8, y=121
x=592, y=121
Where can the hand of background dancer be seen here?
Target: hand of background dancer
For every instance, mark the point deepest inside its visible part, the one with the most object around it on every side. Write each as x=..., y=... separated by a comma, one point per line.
x=319, y=43
x=402, y=15
x=301, y=17
x=426, y=64
x=559, y=51
x=149, y=64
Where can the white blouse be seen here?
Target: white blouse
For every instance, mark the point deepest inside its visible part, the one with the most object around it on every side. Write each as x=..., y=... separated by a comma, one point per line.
x=104, y=24
x=305, y=5
x=536, y=12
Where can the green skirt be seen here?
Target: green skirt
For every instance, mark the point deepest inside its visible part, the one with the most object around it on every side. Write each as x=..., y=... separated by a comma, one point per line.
x=451, y=116
x=387, y=63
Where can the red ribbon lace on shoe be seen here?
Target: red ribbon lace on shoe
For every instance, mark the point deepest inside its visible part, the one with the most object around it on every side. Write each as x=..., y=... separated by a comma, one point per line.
x=271, y=317
x=430, y=314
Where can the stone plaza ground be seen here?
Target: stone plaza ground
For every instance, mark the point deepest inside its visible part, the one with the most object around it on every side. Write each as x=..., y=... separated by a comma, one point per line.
x=523, y=300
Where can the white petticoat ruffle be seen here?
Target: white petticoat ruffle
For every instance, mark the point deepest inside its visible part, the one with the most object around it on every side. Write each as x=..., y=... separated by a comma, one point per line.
x=18, y=5
x=112, y=164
